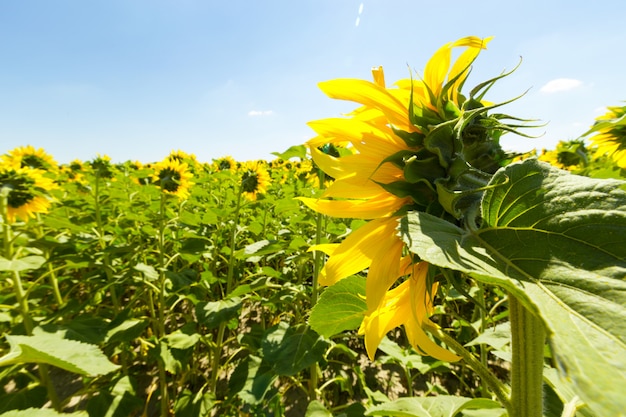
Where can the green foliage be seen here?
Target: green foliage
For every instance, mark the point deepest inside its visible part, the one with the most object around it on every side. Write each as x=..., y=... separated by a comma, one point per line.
x=441, y=406
x=555, y=241
x=341, y=307
x=186, y=304
x=53, y=349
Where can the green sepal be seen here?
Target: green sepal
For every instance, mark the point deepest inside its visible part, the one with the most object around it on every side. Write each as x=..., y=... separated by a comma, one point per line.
x=424, y=165
x=422, y=193
x=412, y=139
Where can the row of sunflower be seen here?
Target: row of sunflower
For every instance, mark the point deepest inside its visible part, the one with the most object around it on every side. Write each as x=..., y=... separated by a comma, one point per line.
x=194, y=279
x=147, y=262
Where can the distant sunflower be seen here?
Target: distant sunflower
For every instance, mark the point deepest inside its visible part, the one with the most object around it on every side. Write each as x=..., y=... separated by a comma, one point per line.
x=26, y=191
x=102, y=167
x=610, y=138
x=570, y=155
x=226, y=163
x=28, y=156
x=173, y=177
x=254, y=179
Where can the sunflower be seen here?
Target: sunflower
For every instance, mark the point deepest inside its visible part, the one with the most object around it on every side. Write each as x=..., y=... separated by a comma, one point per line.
x=26, y=191
x=570, y=155
x=409, y=304
x=397, y=156
x=226, y=163
x=102, y=167
x=28, y=156
x=173, y=177
x=610, y=138
x=254, y=179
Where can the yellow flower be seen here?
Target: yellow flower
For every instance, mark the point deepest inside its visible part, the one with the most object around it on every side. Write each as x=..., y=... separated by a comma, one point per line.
x=254, y=179
x=570, y=155
x=611, y=135
x=226, y=163
x=173, y=177
x=409, y=304
x=28, y=156
x=101, y=165
x=26, y=191
x=369, y=184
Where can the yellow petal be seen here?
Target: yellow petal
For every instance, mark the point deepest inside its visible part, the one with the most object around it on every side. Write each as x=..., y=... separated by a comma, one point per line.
x=422, y=343
x=379, y=76
x=383, y=205
x=371, y=95
x=356, y=252
x=327, y=248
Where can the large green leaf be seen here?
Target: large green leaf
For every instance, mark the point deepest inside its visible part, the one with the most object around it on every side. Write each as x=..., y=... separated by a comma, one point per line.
x=557, y=242
x=53, y=349
x=291, y=349
x=340, y=307
x=440, y=406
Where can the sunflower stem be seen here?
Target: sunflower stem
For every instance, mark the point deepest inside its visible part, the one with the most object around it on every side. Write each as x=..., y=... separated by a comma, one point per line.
x=527, y=344
x=499, y=389
x=161, y=307
x=219, y=341
x=479, y=314
x=22, y=299
x=317, y=266
x=103, y=244
x=52, y=278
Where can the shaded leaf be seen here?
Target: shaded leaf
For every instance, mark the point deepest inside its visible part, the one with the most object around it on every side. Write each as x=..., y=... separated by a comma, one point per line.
x=53, y=349
x=440, y=406
x=212, y=313
x=340, y=307
x=26, y=263
x=292, y=348
x=317, y=409
x=556, y=242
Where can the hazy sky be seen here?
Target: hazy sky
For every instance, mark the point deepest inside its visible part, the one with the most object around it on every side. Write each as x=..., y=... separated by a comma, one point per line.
x=136, y=79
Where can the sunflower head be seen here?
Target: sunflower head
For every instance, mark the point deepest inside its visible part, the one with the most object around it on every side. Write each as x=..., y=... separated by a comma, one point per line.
x=102, y=166
x=24, y=192
x=226, y=163
x=610, y=135
x=173, y=177
x=254, y=179
x=422, y=145
x=28, y=156
x=570, y=155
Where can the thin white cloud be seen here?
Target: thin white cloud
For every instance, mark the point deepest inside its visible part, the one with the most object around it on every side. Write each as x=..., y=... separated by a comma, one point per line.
x=358, y=17
x=260, y=113
x=560, y=84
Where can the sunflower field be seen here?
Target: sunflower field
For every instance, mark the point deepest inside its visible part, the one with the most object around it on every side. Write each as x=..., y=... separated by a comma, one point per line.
x=399, y=263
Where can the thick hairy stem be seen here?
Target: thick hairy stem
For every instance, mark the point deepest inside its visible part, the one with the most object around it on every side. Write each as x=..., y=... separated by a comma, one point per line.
x=527, y=343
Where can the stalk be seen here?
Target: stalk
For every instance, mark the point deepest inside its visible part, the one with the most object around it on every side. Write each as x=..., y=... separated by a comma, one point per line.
x=52, y=278
x=499, y=389
x=219, y=342
x=479, y=314
x=161, y=307
x=317, y=266
x=527, y=343
x=22, y=299
x=102, y=241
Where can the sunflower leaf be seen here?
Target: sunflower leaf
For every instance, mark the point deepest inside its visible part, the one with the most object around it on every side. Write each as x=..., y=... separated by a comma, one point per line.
x=439, y=406
x=340, y=307
x=53, y=349
x=556, y=242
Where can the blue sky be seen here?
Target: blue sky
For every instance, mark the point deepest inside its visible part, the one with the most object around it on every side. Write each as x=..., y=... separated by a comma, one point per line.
x=136, y=79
